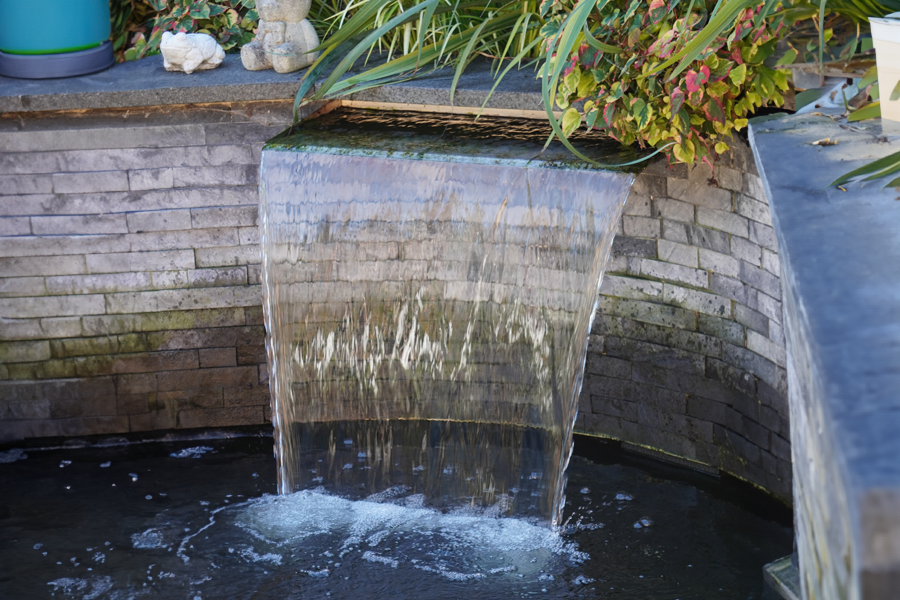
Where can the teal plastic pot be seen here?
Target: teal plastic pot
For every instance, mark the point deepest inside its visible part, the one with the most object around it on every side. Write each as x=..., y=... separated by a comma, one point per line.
x=35, y=27
x=45, y=39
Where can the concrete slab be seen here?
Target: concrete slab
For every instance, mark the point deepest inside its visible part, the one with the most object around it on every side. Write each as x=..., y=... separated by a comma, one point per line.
x=146, y=83
x=840, y=253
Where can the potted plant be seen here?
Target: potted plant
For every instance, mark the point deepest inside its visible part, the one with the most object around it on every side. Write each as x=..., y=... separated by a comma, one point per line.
x=42, y=39
x=886, y=39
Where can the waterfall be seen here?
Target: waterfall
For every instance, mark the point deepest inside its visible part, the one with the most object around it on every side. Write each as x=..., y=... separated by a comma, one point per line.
x=429, y=285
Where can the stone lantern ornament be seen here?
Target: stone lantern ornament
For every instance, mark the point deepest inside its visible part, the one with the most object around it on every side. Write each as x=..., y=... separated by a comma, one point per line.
x=284, y=38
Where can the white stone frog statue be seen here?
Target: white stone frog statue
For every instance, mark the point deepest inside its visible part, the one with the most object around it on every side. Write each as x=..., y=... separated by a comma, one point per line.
x=283, y=39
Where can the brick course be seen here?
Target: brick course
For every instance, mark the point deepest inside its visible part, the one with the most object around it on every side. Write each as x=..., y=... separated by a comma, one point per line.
x=126, y=302
x=130, y=296
x=690, y=358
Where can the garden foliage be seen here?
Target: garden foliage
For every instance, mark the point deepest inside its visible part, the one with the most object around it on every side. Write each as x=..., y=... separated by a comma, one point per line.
x=627, y=73
x=138, y=34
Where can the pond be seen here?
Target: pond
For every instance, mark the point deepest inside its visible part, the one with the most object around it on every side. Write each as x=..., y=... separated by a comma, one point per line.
x=199, y=519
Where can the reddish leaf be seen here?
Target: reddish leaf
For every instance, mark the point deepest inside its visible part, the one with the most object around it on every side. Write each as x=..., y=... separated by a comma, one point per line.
x=676, y=101
x=658, y=10
x=609, y=113
x=695, y=80
x=714, y=111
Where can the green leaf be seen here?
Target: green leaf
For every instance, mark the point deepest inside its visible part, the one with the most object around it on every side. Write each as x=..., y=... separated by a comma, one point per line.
x=788, y=59
x=738, y=74
x=676, y=101
x=329, y=57
x=869, y=111
x=232, y=18
x=571, y=120
x=642, y=112
x=867, y=169
x=545, y=6
x=870, y=77
x=884, y=173
x=591, y=118
x=199, y=10
x=895, y=94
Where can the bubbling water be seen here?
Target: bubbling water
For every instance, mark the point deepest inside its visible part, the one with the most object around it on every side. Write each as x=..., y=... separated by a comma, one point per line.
x=417, y=269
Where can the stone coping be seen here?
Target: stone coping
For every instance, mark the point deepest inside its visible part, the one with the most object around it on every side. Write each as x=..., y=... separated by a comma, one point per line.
x=843, y=249
x=147, y=83
x=840, y=252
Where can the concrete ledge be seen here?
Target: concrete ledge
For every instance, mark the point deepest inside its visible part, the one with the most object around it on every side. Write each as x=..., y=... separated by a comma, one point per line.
x=840, y=254
x=147, y=83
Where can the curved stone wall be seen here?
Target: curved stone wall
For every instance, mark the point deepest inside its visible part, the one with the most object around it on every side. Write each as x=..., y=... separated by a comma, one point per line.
x=687, y=353
x=129, y=291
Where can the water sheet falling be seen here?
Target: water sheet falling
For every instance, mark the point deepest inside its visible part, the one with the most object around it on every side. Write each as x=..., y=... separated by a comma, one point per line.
x=429, y=285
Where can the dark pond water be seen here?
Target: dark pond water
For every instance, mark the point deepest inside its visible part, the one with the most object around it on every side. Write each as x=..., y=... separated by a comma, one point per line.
x=198, y=520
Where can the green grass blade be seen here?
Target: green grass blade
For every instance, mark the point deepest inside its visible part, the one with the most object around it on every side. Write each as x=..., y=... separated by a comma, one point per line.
x=597, y=44
x=463, y=60
x=512, y=63
x=408, y=62
x=765, y=12
x=822, y=37
x=364, y=45
x=521, y=22
x=869, y=111
x=330, y=56
x=722, y=21
x=354, y=26
x=872, y=167
x=563, y=45
x=424, y=18
x=884, y=173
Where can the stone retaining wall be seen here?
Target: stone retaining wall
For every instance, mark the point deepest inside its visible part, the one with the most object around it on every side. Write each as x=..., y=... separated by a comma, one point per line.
x=130, y=297
x=129, y=269
x=687, y=351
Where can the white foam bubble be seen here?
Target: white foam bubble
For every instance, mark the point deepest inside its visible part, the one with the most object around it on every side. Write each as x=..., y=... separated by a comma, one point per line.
x=194, y=452
x=250, y=555
x=385, y=560
x=89, y=589
x=422, y=537
x=152, y=538
x=12, y=455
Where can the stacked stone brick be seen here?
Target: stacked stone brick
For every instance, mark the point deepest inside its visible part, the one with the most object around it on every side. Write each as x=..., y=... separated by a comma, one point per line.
x=129, y=270
x=687, y=356
x=130, y=297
